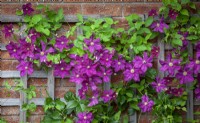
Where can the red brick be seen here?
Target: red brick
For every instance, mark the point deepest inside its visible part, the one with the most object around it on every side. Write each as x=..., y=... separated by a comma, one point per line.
x=10, y=9
x=5, y=93
x=103, y=1
x=34, y=119
x=39, y=111
x=122, y=22
x=37, y=82
x=68, y=9
x=11, y=119
x=60, y=91
x=8, y=64
x=5, y=55
x=153, y=0
x=117, y=78
x=64, y=82
x=145, y=118
x=102, y=9
x=41, y=92
x=139, y=8
x=11, y=82
x=11, y=110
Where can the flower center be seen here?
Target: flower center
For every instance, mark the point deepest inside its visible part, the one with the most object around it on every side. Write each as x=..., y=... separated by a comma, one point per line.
x=157, y=51
x=62, y=68
x=101, y=54
x=62, y=42
x=182, y=38
x=132, y=70
x=41, y=53
x=158, y=84
x=93, y=97
x=10, y=31
x=197, y=62
x=92, y=43
x=119, y=63
x=85, y=117
x=144, y=61
x=171, y=64
x=88, y=66
x=184, y=73
x=77, y=76
x=104, y=73
x=158, y=25
x=107, y=59
x=26, y=67
x=145, y=103
x=107, y=95
x=14, y=50
x=28, y=49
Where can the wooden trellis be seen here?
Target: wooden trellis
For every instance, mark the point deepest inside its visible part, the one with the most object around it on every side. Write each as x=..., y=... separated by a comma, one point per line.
x=51, y=79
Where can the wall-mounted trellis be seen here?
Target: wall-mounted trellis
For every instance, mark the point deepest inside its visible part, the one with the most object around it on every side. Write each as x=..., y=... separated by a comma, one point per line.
x=51, y=79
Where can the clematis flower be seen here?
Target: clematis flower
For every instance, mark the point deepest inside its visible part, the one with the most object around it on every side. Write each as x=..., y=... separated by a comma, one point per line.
x=195, y=64
x=8, y=30
x=143, y=63
x=27, y=9
x=33, y=35
x=83, y=90
x=25, y=67
x=13, y=49
x=85, y=117
x=173, y=14
x=105, y=74
x=94, y=100
x=184, y=40
x=131, y=73
x=42, y=53
x=175, y=91
x=198, y=46
x=153, y=12
x=197, y=93
x=155, y=51
x=26, y=49
x=118, y=64
x=106, y=58
x=108, y=95
x=62, y=69
x=93, y=44
x=159, y=26
x=159, y=85
x=61, y=43
x=185, y=75
x=76, y=77
x=170, y=65
x=146, y=104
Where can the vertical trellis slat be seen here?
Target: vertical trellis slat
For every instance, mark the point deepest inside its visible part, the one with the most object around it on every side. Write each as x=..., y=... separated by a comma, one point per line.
x=51, y=83
x=23, y=100
x=161, y=56
x=190, y=101
x=79, y=32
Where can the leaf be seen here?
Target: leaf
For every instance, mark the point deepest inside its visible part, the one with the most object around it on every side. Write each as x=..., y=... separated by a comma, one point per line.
x=27, y=18
x=36, y=18
x=185, y=12
x=59, y=16
x=19, y=12
x=149, y=21
x=72, y=104
x=40, y=7
x=192, y=5
x=129, y=94
x=134, y=106
x=185, y=1
x=177, y=42
x=80, y=17
x=117, y=116
x=184, y=109
x=69, y=121
x=125, y=119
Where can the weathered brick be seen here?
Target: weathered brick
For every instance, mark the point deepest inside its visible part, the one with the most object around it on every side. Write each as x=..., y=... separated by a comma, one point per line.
x=103, y=1
x=10, y=9
x=64, y=82
x=41, y=92
x=117, y=78
x=11, y=110
x=5, y=93
x=139, y=8
x=34, y=119
x=11, y=119
x=68, y=9
x=60, y=91
x=153, y=0
x=39, y=111
x=37, y=82
x=8, y=64
x=5, y=55
x=10, y=1
x=11, y=82
x=122, y=22
x=145, y=118
x=102, y=9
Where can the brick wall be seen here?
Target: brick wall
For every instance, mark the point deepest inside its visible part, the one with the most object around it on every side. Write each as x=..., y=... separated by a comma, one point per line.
x=117, y=9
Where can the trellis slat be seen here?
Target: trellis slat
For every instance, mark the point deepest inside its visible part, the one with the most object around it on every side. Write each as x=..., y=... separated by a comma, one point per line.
x=161, y=56
x=51, y=83
x=23, y=99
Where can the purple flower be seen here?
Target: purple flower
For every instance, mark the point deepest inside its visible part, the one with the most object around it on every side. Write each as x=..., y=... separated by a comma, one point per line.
x=61, y=43
x=62, y=69
x=85, y=117
x=197, y=93
x=108, y=95
x=33, y=35
x=26, y=49
x=185, y=75
x=94, y=100
x=76, y=77
x=105, y=58
x=25, y=67
x=118, y=64
x=198, y=46
x=155, y=51
x=170, y=65
x=82, y=91
x=143, y=63
x=198, y=54
x=146, y=104
x=88, y=67
x=184, y=40
x=195, y=64
x=93, y=44
x=105, y=74
x=159, y=85
x=8, y=30
x=175, y=91
x=173, y=14
x=153, y=12
x=131, y=73
x=27, y=9
x=159, y=26
x=13, y=49
x=42, y=53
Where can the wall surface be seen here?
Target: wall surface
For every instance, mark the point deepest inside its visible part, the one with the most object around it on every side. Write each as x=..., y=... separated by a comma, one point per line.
x=117, y=9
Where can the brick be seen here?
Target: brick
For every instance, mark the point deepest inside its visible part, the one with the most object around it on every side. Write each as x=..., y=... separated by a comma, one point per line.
x=153, y=0
x=34, y=119
x=102, y=9
x=102, y=1
x=11, y=82
x=117, y=78
x=5, y=93
x=68, y=9
x=60, y=91
x=11, y=110
x=139, y=8
x=8, y=64
x=5, y=55
x=37, y=82
x=64, y=82
x=11, y=119
x=10, y=9
x=122, y=22
x=39, y=111
x=145, y=118
x=41, y=92
x=10, y=1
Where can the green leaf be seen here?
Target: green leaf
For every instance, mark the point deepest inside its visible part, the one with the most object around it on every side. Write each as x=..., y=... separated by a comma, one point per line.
x=184, y=109
x=7, y=85
x=192, y=5
x=59, y=16
x=129, y=94
x=19, y=12
x=185, y=12
x=80, y=17
x=125, y=119
x=27, y=18
x=40, y=7
x=177, y=42
x=185, y=1
x=72, y=104
x=117, y=116
x=36, y=18
x=69, y=121
x=149, y=21
x=134, y=106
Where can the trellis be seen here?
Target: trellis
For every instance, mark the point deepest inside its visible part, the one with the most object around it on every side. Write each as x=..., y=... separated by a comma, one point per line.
x=51, y=79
